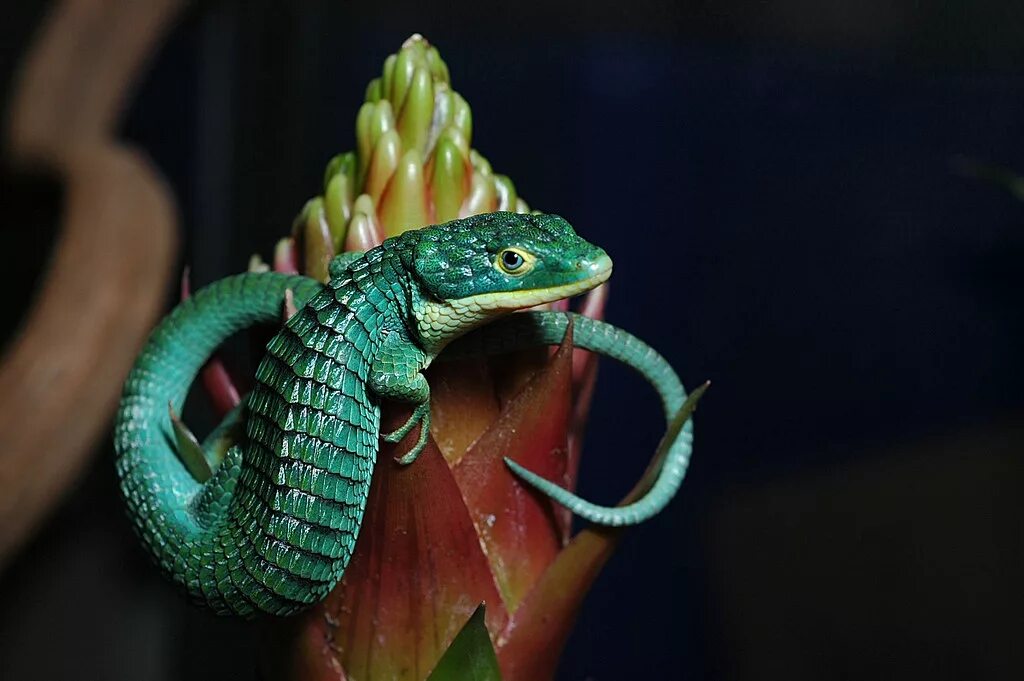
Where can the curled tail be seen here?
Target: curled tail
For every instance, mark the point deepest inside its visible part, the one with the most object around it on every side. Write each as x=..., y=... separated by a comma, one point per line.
x=191, y=529
x=548, y=328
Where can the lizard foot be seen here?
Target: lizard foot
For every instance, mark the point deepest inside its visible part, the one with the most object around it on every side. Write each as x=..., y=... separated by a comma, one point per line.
x=421, y=416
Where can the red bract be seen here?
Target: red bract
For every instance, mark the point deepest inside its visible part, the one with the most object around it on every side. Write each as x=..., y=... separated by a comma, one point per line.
x=517, y=527
x=441, y=536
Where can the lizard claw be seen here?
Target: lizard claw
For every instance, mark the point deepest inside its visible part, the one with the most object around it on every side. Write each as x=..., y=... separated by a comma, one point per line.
x=420, y=416
x=421, y=413
x=408, y=457
x=421, y=443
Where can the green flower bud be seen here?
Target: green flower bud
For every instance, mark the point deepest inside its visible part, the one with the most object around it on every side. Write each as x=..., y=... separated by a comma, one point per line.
x=383, y=163
x=506, y=192
x=450, y=181
x=338, y=207
x=404, y=204
x=417, y=112
x=414, y=163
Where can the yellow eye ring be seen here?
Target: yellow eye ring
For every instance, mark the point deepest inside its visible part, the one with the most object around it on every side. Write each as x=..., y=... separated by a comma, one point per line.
x=514, y=262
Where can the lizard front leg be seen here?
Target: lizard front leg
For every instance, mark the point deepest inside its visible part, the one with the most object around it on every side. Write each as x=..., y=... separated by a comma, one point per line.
x=397, y=374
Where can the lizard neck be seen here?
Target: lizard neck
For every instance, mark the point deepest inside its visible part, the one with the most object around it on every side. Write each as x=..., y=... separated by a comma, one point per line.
x=384, y=280
x=378, y=292
x=438, y=322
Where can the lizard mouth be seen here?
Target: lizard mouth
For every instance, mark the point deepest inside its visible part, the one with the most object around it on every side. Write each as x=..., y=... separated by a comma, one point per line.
x=439, y=322
x=592, y=274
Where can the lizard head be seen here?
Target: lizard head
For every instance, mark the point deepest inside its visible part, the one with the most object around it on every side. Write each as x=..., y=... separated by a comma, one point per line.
x=487, y=265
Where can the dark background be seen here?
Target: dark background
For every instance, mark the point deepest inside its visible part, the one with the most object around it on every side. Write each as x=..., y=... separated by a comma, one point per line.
x=777, y=184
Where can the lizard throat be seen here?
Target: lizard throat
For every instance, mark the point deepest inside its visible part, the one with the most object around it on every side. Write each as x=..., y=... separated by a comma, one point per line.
x=441, y=321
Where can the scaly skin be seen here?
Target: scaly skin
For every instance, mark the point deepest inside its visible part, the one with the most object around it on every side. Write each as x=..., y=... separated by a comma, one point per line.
x=274, y=527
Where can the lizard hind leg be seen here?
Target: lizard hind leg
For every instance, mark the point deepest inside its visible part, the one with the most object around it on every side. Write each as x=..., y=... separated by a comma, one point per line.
x=209, y=504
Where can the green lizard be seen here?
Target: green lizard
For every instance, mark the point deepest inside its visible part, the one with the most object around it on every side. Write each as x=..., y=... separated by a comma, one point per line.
x=271, y=526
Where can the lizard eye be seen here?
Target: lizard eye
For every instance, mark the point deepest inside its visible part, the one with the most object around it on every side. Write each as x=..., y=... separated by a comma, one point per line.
x=511, y=260
x=514, y=261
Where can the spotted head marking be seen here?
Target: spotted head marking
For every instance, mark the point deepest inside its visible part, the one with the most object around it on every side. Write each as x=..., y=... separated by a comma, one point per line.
x=473, y=269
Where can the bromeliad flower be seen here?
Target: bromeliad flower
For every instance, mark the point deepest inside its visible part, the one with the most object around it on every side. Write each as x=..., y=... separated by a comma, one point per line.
x=457, y=529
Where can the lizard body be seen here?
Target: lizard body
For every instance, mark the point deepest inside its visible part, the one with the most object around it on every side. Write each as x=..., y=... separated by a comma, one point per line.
x=274, y=525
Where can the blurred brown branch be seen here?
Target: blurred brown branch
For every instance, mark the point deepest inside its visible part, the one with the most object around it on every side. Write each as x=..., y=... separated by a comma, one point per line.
x=60, y=378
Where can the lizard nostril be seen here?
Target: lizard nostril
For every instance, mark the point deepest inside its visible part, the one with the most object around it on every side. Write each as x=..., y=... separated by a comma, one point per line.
x=590, y=264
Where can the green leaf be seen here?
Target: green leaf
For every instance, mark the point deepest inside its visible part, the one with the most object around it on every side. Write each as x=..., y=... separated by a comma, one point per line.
x=189, y=449
x=471, y=656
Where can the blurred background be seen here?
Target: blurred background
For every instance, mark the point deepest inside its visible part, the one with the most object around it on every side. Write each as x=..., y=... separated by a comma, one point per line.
x=785, y=190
